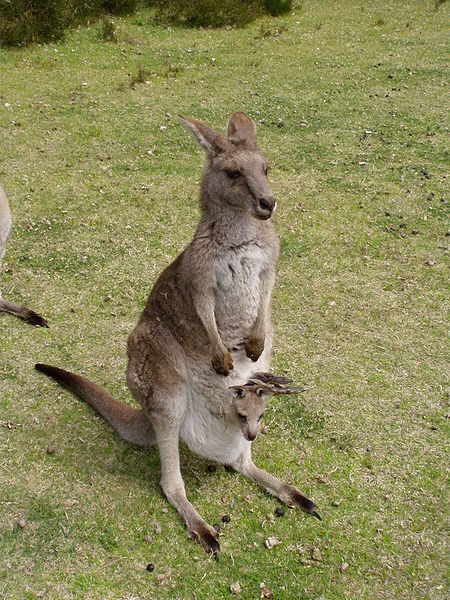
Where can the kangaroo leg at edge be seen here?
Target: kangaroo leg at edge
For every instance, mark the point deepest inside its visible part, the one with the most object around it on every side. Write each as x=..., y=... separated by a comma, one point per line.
x=23, y=313
x=285, y=492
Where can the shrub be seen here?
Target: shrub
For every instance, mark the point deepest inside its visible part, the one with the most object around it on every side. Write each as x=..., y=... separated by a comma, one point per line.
x=26, y=21
x=208, y=13
x=119, y=7
x=216, y=13
x=107, y=31
x=278, y=7
x=23, y=22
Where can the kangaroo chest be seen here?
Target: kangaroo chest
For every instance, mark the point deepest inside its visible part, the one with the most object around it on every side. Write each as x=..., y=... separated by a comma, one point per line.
x=238, y=275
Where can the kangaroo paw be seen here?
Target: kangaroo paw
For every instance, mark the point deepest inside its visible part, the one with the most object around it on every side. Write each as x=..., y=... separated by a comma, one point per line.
x=223, y=363
x=254, y=348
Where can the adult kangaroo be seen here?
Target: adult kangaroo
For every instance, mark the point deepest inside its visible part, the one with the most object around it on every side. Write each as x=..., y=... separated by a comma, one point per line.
x=206, y=327
x=5, y=306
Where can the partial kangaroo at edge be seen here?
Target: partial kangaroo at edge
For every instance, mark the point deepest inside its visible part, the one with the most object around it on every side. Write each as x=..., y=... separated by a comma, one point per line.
x=5, y=306
x=206, y=331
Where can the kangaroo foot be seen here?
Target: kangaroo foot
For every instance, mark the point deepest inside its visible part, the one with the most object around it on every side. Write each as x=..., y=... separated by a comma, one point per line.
x=34, y=319
x=295, y=499
x=206, y=536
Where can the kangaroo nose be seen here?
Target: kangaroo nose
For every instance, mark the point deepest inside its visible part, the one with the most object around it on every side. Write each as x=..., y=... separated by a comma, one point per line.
x=266, y=206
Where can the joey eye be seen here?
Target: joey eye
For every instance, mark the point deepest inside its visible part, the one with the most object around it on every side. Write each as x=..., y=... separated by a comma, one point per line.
x=260, y=417
x=266, y=171
x=242, y=418
x=233, y=174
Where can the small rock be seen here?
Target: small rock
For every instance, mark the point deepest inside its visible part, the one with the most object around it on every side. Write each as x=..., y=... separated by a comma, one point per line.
x=279, y=512
x=148, y=539
x=150, y=567
x=165, y=510
x=21, y=523
x=235, y=588
x=430, y=263
x=265, y=592
x=344, y=566
x=336, y=503
x=316, y=554
x=226, y=518
x=156, y=526
x=271, y=542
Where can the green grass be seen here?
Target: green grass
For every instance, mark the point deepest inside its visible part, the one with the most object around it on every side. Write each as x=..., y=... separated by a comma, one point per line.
x=350, y=102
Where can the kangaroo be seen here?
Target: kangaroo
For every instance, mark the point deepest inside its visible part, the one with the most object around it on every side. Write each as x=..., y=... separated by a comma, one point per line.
x=206, y=327
x=5, y=306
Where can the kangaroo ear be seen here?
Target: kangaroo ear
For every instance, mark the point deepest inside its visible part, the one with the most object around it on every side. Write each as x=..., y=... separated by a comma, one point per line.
x=242, y=131
x=212, y=141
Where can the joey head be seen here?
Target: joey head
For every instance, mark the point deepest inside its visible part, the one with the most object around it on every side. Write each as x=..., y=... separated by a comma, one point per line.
x=249, y=400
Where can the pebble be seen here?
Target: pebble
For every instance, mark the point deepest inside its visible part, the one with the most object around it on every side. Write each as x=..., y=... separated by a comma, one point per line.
x=235, y=588
x=316, y=554
x=21, y=523
x=156, y=526
x=271, y=542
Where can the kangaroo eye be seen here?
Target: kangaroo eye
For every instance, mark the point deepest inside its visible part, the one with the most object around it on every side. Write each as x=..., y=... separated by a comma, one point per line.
x=266, y=171
x=233, y=174
x=259, y=418
x=242, y=418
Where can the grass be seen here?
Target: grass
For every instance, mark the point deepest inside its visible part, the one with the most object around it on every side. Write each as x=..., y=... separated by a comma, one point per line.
x=349, y=99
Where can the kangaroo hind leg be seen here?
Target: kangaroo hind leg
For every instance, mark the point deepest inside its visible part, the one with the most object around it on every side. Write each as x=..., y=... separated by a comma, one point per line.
x=285, y=492
x=173, y=487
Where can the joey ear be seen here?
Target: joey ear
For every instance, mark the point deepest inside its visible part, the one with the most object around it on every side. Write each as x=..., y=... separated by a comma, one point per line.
x=238, y=391
x=212, y=141
x=270, y=378
x=242, y=130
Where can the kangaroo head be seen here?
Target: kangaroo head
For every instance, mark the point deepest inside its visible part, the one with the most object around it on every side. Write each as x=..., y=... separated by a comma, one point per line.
x=236, y=171
x=249, y=400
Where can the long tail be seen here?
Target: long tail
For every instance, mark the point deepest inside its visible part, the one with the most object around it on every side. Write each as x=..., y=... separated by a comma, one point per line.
x=130, y=423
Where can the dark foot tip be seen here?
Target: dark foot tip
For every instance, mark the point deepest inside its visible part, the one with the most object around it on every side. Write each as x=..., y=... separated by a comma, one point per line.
x=316, y=514
x=35, y=319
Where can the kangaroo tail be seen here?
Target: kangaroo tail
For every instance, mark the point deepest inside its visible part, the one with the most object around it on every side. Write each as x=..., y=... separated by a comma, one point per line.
x=130, y=423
